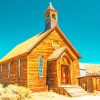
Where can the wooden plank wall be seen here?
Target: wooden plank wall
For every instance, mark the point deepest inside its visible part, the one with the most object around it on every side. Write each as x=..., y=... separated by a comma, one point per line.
x=52, y=75
x=75, y=71
x=13, y=79
x=90, y=83
x=29, y=65
x=44, y=49
x=61, y=62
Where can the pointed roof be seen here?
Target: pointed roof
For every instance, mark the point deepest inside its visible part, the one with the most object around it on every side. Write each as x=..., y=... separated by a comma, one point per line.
x=57, y=53
x=29, y=44
x=25, y=46
x=50, y=6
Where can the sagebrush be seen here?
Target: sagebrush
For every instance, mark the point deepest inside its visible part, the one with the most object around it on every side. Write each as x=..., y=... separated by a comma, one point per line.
x=15, y=92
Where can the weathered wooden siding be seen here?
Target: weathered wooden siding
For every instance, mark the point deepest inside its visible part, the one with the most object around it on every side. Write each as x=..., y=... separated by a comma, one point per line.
x=90, y=83
x=42, y=49
x=52, y=75
x=13, y=78
x=75, y=71
x=29, y=65
x=61, y=62
x=73, y=68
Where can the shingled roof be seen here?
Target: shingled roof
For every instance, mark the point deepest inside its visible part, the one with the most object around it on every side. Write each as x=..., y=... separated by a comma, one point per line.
x=29, y=44
x=25, y=46
x=57, y=53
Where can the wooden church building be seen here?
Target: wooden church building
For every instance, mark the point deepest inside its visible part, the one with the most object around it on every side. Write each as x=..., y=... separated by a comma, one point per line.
x=45, y=60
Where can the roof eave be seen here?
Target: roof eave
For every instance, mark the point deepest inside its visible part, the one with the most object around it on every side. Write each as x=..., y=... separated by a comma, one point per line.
x=58, y=55
x=72, y=47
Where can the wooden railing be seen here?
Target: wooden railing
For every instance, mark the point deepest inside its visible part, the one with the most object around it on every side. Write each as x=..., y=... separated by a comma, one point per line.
x=90, y=83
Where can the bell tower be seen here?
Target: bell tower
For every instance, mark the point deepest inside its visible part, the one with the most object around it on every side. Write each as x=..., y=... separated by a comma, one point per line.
x=51, y=17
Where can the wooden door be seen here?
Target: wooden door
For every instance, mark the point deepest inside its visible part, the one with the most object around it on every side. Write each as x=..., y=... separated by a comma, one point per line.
x=65, y=78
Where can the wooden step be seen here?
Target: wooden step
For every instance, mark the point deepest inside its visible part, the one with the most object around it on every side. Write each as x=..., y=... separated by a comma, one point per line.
x=74, y=91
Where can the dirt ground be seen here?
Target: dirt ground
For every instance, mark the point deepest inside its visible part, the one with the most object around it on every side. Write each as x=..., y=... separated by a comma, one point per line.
x=55, y=96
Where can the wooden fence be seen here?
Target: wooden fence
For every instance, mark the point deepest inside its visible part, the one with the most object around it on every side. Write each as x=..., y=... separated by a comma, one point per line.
x=90, y=83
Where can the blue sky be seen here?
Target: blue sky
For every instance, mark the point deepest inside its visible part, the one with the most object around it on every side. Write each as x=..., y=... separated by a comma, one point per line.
x=78, y=19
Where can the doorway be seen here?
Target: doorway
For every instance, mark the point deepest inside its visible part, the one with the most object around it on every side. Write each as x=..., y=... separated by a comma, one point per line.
x=65, y=74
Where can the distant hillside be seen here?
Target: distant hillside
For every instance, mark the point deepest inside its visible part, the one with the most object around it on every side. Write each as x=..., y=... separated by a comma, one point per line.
x=90, y=68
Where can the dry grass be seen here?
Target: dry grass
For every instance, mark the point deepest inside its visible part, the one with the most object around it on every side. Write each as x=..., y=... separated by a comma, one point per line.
x=15, y=92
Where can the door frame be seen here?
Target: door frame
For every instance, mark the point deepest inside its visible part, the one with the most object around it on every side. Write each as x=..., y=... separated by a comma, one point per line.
x=65, y=79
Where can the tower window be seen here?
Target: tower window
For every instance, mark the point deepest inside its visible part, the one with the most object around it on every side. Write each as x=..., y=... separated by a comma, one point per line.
x=40, y=66
x=19, y=64
x=47, y=17
x=54, y=16
x=9, y=70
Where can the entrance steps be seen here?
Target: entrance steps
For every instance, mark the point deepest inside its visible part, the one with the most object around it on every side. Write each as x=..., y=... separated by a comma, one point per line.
x=72, y=90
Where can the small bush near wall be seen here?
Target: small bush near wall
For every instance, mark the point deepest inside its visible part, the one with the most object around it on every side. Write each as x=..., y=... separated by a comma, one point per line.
x=4, y=85
x=15, y=92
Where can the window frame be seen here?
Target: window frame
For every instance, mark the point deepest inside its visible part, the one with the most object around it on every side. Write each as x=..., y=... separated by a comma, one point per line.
x=19, y=68
x=0, y=71
x=9, y=67
x=40, y=66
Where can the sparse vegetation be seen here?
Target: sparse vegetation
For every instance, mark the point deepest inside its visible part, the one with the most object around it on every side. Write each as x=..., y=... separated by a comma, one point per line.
x=15, y=92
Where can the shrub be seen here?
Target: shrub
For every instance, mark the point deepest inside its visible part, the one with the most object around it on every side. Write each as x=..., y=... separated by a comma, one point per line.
x=4, y=85
x=15, y=92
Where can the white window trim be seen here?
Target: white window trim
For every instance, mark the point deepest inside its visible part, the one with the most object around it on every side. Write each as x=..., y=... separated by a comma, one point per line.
x=19, y=67
x=1, y=71
x=39, y=67
x=9, y=65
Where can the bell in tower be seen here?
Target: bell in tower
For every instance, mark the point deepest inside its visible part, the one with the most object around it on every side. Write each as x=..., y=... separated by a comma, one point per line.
x=51, y=17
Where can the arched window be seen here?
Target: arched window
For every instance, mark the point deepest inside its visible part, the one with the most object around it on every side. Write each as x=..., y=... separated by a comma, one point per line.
x=0, y=71
x=47, y=17
x=19, y=64
x=40, y=66
x=9, y=70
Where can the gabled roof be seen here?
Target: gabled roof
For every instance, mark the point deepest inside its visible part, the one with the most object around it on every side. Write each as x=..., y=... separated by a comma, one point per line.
x=29, y=44
x=68, y=43
x=25, y=46
x=57, y=53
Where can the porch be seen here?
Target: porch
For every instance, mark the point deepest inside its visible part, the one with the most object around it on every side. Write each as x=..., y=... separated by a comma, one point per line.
x=70, y=90
x=90, y=83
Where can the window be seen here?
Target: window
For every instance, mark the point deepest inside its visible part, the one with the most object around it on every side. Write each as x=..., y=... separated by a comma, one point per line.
x=8, y=70
x=55, y=44
x=54, y=16
x=47, y=18
x=19, y=64
x=1, y=72
x=40, y=66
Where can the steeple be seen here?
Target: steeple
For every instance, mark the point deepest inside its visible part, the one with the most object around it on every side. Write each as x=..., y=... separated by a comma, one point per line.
x=50, y=6
x=51, y=17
